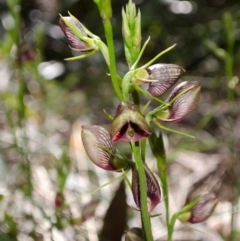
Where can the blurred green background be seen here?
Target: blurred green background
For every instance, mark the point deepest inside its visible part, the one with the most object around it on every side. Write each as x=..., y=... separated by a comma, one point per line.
x=44, y=100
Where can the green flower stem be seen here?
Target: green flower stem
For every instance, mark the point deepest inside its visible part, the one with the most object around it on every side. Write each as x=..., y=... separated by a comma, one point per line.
x=172, y=224
x=136, y=101
x=21, y=109
x=22, y=90
x=229, y=30
x=143, y=193
x=139, y=156
x=157, y=147
x=105, y=9
x=126, y=85
x=162, y=169
x=112, y=62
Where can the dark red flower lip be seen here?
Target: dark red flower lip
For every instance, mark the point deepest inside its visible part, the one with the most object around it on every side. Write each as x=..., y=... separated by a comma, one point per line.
x=125, y=135
x=129, y=124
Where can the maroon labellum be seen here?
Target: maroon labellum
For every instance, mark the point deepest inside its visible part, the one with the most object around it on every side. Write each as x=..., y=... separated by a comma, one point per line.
x=129, y=124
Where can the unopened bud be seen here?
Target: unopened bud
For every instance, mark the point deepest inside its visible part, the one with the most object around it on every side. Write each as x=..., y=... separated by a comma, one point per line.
x=77, y=34
x=59, y=200
x=99, y=147
x=202, y=210
x=153, y=189
x=166, y=75
x=161, y=77
x=131, y=30
x=183, y=100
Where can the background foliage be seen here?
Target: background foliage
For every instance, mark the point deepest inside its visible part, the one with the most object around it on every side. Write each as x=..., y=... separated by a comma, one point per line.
x=45, y=100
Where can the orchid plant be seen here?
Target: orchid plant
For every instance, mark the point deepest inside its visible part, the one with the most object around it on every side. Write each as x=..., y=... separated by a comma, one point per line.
x=131, y=123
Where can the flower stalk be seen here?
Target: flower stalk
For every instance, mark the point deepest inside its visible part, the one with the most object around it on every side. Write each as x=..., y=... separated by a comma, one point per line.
x=105, y=9
x=146, y=222
x=158, y=150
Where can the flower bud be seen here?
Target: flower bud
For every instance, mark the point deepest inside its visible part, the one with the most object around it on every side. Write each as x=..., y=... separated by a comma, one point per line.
x=129, y=124
x=99, y=148
x=76, y=34
x=26, y=54
x=131, y=30
x=166, y=75
x=202, y=210
x=153, y=189
x=183, y=99
x=59, y=200
x=134, y=234
x=161, y=77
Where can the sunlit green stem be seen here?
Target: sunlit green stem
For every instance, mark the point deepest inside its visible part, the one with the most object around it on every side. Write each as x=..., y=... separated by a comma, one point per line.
x=139, y=156
x=143, y=193
x=158, y=150
x=230, y=31
x=162, y=169
x=112, y=62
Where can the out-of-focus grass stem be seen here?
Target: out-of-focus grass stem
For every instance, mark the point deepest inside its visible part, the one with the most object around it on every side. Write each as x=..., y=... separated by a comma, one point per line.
x=229, y=66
